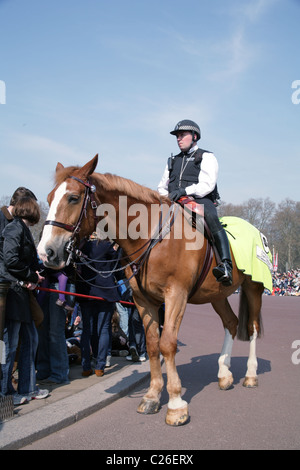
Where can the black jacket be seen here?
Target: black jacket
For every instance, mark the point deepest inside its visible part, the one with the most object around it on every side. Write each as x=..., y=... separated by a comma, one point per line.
x=99, y=285
x=5, y=218
x=18, y=256
x=18, y=261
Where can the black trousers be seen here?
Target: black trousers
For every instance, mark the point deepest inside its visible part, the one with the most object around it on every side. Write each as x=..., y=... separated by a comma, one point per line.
x=210, y=214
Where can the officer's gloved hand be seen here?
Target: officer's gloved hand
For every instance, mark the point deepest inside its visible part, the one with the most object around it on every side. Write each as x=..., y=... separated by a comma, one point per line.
x=177, y=194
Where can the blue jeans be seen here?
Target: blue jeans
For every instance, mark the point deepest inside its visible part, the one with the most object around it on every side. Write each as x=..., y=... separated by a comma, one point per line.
x=96, y=332
x=26, y=332
x=124, y=312
x=52, y=357
x=137, y=337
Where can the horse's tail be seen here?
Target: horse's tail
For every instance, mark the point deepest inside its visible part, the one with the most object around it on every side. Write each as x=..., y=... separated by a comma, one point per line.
x=243, y=325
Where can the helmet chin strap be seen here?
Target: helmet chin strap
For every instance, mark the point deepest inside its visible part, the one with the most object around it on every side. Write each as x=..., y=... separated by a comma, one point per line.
x=193, y=143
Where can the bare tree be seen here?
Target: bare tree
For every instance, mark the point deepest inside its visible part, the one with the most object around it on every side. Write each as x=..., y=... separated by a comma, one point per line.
x=286, y=234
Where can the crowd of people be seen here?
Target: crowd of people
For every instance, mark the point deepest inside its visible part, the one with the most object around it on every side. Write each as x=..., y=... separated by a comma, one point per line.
x=287, y=283
x=44, y=326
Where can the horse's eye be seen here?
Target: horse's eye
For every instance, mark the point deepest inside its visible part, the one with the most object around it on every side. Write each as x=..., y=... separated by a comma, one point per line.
x=73, y=198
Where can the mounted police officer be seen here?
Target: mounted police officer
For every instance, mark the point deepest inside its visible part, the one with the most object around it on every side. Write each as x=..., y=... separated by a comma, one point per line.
x=193, y=172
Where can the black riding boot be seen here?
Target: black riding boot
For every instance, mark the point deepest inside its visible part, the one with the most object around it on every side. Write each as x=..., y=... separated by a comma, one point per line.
x=223, y=272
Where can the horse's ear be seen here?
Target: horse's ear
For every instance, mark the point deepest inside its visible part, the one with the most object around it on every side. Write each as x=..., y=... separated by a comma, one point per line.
x=59, y=167
x=89, y=167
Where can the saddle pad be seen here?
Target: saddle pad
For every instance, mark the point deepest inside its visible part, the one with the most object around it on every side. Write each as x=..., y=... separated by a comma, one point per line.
x=250, y=249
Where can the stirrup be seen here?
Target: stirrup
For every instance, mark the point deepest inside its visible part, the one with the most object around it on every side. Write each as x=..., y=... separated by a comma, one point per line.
x=223, y=274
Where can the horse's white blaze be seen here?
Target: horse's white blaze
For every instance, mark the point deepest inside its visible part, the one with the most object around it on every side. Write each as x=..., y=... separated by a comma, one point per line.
x=47, y=232
x=225, y=357
x=252, y=360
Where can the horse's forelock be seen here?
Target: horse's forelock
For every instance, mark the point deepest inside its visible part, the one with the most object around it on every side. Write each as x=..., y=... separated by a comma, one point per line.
x=64, y=173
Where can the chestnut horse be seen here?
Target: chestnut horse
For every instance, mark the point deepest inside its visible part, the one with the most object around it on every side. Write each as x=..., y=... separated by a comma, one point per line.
x=164, y=272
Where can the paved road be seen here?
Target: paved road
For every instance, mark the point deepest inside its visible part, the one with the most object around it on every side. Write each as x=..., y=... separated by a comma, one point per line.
x=264, y=418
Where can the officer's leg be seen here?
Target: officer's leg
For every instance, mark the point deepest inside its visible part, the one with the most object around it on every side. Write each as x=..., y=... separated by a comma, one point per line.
x=222, y=272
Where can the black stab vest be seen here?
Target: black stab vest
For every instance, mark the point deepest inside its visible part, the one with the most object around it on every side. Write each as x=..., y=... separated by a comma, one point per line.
x=190, y=174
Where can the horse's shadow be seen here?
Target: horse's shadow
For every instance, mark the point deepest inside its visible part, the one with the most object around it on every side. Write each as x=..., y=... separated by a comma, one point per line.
x=194, y=376
x=203, y=370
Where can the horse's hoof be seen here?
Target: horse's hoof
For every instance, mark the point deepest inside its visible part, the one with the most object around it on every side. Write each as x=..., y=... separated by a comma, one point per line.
x=148, y=407
x=250, y=382
x=225, y=383
x=177, y=417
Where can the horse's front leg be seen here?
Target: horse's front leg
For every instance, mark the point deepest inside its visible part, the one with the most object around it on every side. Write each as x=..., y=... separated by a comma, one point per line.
x=177, y=413
x=151, y=400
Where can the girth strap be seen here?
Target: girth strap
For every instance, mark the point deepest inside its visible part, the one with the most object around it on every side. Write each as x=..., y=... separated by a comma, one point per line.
x=209, y=254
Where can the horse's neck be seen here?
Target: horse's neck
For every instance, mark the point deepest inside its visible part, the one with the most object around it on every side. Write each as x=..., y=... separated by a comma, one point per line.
x=134, y=215
x=120, y=216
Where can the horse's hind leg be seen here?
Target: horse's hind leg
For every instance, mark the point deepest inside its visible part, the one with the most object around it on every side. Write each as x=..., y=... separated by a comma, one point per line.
x=151, y=401
x=251, y=379
x=250, y=325
x=230, y=322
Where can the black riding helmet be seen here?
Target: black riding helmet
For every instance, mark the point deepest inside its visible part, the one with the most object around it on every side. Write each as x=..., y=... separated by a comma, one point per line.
x=187, y=125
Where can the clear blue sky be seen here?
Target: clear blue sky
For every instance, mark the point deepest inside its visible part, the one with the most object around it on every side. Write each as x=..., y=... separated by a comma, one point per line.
x=114, y=77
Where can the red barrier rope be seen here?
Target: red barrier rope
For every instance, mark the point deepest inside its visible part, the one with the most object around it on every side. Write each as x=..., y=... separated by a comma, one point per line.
x=81, y=295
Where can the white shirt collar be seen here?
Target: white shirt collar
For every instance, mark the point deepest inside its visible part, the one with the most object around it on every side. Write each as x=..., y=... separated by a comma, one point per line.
x=193, y=149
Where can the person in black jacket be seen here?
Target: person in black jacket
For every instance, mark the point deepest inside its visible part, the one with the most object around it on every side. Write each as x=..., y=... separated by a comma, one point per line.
x=6, y=211
x=19, y=266
x=97, y=314
x=5, y=218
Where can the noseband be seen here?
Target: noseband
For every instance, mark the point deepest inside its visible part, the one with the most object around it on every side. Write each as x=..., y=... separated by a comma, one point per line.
x=90, y=189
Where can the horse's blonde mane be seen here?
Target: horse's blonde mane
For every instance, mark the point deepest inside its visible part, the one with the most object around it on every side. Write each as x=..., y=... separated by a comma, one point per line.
x=127, y=187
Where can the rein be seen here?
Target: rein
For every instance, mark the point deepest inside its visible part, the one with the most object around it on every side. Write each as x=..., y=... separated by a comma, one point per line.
x=163, y=229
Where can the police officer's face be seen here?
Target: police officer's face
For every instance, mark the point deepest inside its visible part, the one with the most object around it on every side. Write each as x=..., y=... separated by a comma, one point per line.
x=184, y=140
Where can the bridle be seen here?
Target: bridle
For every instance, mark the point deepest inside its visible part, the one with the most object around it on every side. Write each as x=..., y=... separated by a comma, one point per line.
x=89, y=195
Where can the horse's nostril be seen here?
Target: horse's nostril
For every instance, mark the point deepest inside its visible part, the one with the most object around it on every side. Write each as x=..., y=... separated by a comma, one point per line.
x=49, y=253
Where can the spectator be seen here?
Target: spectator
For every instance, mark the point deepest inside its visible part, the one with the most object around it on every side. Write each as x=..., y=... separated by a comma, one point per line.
x=6, y=216
x=287, y=283
x=120, y=343
x=97, y=314
x=130, y=321
x=18, y=265
x=137, y=338
x=52, y=357
x=73, y=334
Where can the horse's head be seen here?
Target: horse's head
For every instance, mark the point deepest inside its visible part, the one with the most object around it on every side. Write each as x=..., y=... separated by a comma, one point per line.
x=70, y=215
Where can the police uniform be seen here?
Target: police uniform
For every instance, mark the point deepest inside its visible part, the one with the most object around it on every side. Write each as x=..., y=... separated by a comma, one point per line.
x=194, y=173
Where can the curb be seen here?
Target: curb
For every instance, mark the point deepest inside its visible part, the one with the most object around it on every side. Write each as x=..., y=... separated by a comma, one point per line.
x=24, y=430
